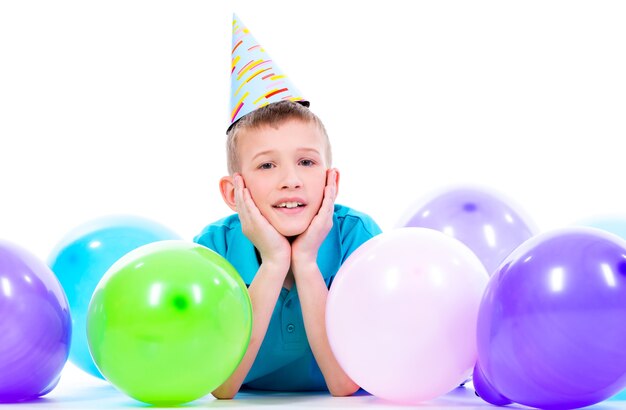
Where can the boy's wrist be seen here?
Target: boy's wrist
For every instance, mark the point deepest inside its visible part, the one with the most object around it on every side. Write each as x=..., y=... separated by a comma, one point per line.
x=304, y=263
x=279, y=266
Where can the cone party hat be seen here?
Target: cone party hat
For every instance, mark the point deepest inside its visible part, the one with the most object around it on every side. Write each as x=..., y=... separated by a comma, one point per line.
x=255, y=79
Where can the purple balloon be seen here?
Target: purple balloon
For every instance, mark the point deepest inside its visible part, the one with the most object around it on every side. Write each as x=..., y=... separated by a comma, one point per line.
x=481, y=220
x=35, y=326
x=485, y=390
x=552, y=322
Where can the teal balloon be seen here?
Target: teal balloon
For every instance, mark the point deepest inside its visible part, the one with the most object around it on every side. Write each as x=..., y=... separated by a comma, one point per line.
x=82, y=257
x=621, y=396
x=612, y=224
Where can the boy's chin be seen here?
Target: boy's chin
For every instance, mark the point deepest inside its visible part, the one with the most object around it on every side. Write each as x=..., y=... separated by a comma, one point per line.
x=291, y=232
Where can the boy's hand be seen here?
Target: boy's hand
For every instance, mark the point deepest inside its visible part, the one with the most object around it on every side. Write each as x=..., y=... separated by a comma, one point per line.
x=273, y=247
x=304, y=249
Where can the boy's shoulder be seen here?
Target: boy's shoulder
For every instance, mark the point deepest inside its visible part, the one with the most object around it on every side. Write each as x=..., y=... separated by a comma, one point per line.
x=342, y=211
x=349, y=218
x=218, y=229
x=226, y=223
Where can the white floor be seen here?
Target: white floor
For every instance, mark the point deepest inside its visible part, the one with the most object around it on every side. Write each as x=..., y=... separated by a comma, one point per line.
x=78, y=390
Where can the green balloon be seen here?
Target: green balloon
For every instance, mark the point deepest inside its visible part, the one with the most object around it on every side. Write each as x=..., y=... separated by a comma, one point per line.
x=169, y=322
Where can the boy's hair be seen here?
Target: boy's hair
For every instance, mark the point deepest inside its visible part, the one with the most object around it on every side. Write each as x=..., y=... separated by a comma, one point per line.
x=271, y=115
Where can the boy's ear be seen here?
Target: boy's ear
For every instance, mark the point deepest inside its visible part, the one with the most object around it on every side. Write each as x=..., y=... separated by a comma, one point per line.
x=227, y=188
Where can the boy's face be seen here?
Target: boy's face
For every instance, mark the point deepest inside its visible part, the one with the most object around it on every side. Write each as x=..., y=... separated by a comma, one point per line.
x=285, y=170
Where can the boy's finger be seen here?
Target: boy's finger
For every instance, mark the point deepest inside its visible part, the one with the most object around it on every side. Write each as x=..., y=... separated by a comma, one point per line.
x=251, y=207
x=332, y=184
x=239, y=196
x=332, y=179
x=236, y=184
x=330, y=196
x=247, y=199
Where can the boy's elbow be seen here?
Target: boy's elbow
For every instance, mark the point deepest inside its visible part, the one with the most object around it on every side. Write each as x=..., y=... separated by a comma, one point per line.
x=344, y=389
x=224, y=393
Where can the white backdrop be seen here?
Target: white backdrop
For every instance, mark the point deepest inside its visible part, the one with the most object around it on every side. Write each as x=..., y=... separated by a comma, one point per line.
x=121, y=106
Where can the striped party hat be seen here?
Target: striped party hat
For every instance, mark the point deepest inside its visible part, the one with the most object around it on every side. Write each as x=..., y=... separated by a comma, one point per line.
x=255, y=79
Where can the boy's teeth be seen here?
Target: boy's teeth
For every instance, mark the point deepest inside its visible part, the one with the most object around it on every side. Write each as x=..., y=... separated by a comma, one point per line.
x=289, y=205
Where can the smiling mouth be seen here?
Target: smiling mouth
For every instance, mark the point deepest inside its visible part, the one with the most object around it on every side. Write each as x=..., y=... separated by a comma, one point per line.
x=289, y=205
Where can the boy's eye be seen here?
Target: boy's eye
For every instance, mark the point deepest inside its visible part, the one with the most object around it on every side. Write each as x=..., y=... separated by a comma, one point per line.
x=266, y=165
x=307, y=163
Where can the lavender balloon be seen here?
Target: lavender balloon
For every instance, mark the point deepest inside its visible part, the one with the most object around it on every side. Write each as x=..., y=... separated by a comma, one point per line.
x=551, y=325
x=481, y=220
x=35, y=326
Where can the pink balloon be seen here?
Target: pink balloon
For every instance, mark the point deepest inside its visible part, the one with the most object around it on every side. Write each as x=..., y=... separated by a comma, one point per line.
x=402, y=311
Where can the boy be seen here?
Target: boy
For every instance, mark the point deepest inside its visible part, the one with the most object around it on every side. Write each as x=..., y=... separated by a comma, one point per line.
x=287, y=241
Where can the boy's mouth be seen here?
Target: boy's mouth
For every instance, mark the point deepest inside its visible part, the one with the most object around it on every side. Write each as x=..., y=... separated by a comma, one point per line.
x=289, y=205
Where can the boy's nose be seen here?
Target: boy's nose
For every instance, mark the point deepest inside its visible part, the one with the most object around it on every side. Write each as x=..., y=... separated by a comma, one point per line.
x=291, y=179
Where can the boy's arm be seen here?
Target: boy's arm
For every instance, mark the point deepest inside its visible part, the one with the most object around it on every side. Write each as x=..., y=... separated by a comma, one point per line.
x=313, y=292
x=264, y=290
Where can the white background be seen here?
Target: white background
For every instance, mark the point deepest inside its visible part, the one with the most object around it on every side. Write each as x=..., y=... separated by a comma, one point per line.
x=121, y=106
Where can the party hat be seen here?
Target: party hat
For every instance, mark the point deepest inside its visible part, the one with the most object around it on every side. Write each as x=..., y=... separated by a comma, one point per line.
x=255, y=79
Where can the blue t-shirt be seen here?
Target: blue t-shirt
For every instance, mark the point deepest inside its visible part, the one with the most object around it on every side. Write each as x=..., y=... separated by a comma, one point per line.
x=285, y=361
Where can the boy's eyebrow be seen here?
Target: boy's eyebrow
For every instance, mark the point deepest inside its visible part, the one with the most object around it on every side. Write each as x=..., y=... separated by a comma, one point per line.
x=266, y=152
x=306, y=149
x=271, y=151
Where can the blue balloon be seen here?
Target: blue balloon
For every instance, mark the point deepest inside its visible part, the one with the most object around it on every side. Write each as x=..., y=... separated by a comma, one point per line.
x=83, y=256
